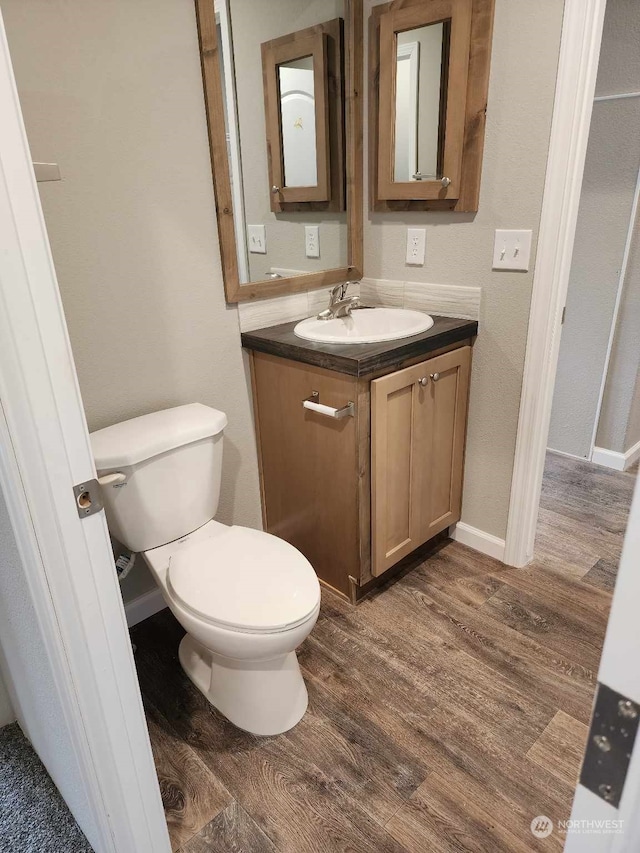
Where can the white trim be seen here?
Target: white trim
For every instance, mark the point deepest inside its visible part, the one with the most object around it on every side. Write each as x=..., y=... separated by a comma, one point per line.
x=608, y=458
x=568, y=455
x=486, y=543
x=143, y=606
x=616, y=310
x=619, y=97
x=614, y=459
x=223, y=18
x=67, y=562
x=577, y=69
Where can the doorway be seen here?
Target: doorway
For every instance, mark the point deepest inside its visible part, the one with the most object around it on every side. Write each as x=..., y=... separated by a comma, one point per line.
x=593, y=446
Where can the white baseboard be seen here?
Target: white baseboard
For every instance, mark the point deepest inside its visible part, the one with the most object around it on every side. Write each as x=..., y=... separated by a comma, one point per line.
x=486, y=543
x=144, y=606
x=632, y=455
x=568, y=455
x=614, y=459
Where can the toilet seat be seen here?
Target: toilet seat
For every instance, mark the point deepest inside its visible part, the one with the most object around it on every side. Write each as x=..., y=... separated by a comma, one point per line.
x=244, y=580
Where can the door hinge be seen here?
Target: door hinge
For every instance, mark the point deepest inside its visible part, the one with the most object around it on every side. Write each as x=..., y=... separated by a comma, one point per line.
x=88, y=497
x=564, y=314
x=613, y=730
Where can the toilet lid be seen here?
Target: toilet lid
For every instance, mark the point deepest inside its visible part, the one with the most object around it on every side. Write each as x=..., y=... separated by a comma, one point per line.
x=245, y=580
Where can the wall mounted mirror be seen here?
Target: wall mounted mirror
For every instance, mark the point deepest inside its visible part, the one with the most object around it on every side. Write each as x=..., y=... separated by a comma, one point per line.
x=429, y=72
x=285, y=76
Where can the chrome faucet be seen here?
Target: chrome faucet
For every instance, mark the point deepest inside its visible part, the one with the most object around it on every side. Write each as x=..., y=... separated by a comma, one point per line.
x=340, y=305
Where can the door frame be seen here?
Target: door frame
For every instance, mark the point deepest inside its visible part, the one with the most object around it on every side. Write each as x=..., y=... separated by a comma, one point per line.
x=68, y=562
x=575, y=89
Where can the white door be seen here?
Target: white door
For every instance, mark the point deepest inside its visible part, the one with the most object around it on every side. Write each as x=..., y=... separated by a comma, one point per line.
x=596, y=825
x=64, y=562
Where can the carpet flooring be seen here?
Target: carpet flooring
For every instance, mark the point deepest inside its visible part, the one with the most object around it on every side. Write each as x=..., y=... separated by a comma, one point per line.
x=33, y=816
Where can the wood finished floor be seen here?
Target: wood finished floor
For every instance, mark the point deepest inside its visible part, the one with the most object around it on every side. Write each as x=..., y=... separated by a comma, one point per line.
x=445, y=712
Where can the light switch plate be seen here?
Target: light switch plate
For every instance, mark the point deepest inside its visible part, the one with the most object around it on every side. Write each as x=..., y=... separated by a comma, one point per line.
x=512, y=250
x=312, y=241
x=257, y=236
x=416, y=243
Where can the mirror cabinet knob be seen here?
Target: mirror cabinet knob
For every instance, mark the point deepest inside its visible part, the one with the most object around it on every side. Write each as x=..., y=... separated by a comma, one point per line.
x=445, y=182
x=275, y=189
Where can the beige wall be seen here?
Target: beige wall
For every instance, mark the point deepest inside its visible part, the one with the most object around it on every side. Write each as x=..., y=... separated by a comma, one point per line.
x=253, y=23
x=459, y=247
x=633, y=425
x=611, y=173
x=133, y=228
x=6, y=711
x=619, y=424
x=113, y=93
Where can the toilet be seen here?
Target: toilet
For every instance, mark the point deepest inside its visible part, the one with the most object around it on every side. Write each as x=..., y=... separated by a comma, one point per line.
x=246, y=599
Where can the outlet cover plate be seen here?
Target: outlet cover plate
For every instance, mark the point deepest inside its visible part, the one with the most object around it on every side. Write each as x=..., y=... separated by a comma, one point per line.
x=416, y=244
x=312, y=241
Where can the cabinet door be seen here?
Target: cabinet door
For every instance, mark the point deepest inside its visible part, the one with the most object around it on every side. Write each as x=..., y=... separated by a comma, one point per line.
x=308, y=464
x=418, y=420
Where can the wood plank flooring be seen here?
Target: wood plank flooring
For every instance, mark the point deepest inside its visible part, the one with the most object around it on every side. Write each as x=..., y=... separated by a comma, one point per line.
x=445, y=712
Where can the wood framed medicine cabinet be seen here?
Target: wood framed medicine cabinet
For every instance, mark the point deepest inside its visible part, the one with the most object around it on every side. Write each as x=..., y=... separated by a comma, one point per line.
x=316, y=53
x=428, y=82
x=339, y=190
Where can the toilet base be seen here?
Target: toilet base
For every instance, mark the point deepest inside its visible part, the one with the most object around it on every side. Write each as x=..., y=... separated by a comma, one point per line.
x=263, y=697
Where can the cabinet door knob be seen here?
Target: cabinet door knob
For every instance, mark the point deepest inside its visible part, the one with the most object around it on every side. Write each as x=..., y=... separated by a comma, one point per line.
x=435, y=376
x=422, y=381
x=275, y=189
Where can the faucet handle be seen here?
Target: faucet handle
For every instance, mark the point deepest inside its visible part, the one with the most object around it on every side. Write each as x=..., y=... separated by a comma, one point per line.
x=338, y=291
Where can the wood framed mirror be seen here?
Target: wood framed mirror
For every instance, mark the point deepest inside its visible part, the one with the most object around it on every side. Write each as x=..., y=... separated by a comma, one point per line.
x=283, y=97
x=428, y=83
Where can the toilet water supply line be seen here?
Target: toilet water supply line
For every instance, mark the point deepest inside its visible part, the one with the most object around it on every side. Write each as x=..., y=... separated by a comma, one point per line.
x=124, y=564
x=125, y=561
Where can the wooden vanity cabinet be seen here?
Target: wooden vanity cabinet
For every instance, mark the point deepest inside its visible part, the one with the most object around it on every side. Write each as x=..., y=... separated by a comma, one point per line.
x=358, y=494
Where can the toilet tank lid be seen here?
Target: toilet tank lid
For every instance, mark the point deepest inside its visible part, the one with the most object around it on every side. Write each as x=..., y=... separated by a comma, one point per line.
x=133, y=441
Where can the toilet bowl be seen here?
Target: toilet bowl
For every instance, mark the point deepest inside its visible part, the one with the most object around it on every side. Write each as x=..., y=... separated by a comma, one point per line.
x=246, y=598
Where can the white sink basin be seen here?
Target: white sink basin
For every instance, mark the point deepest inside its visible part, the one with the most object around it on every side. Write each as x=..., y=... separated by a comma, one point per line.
x=365, y=326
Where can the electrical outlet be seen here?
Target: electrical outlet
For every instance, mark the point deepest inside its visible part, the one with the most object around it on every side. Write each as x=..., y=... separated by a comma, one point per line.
x=257, y=236
x=512, y=250
x=416, y=242
x=312, y=241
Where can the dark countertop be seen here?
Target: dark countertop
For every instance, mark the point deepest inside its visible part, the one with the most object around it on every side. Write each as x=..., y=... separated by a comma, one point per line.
x=358, y=359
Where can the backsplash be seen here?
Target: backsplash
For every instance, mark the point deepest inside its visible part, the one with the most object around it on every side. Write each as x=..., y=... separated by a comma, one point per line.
x=444, y=299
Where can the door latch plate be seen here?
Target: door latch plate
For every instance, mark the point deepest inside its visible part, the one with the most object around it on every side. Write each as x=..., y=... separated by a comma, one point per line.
x=88, y=497
x=614, y=726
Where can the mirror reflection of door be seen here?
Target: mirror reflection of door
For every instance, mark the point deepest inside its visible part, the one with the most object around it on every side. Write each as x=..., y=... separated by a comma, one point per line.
x=406, y=147
x=298, y=117
x=420, y=101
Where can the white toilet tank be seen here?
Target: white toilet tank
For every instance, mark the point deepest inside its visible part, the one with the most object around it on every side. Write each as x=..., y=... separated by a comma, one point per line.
x=169, y=465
